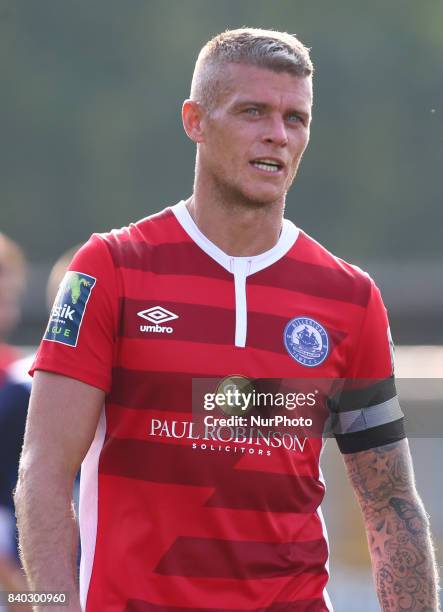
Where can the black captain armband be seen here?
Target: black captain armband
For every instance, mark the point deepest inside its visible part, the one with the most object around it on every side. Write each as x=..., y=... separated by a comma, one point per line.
x=372, y=437
x=366, y=414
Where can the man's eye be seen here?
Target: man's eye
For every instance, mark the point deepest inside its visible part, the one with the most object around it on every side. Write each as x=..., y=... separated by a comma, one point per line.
x=294, y=118
x=254, y=112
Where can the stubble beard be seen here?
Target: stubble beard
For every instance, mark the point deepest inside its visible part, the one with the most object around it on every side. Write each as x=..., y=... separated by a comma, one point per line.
x=230, y=195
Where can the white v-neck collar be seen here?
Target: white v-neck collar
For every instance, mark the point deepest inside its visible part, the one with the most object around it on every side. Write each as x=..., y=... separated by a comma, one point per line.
x=254, y=263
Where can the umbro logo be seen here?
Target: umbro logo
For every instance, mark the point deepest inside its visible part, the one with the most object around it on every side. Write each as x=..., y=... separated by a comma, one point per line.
x=157, y=314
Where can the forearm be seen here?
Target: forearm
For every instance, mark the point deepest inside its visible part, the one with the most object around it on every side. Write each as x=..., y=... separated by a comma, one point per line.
x=48, y=533
x=402, y=556
x=397, y=528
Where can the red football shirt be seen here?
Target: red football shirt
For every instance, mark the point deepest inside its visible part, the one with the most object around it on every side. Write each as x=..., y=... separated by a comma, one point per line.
x=175, y=519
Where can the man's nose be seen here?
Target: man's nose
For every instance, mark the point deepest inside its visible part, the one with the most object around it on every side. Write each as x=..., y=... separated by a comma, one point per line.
x=276, y=131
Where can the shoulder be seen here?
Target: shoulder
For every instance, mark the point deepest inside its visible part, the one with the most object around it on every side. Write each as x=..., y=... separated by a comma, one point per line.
x=152, y=230
x=340, y=279
x=313, y=252
x=136, y=240
x=117, y=248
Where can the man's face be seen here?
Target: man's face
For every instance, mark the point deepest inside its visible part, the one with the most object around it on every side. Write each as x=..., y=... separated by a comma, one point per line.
x=254, y=138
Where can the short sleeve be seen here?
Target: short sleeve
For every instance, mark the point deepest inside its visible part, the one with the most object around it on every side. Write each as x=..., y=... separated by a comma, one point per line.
x=367, y=412
x=373, y=352
x=80, y=337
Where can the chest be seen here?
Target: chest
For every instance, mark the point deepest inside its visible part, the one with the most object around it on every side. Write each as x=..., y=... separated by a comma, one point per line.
x=235, y=323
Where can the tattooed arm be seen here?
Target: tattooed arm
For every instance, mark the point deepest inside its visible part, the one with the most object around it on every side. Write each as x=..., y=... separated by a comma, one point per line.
x=397, y=528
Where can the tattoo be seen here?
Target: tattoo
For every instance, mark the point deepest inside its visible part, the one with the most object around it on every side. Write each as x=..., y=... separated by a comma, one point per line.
x=397, y=528
x=406, y=511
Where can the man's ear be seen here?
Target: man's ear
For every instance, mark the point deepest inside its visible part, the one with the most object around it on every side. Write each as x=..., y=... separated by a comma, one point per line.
x=192, y=116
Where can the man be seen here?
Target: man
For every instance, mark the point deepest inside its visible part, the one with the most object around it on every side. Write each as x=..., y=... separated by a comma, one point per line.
x=175, y=519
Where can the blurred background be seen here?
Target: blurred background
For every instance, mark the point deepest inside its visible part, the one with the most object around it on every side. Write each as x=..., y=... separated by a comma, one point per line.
x=91, y=139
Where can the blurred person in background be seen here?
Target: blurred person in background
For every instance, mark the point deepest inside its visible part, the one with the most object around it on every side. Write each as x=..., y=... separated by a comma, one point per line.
x=13, y=271
x=213, y=286
x=14, y=399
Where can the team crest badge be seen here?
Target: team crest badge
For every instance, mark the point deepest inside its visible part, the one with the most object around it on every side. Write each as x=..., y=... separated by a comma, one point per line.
x=306, y=341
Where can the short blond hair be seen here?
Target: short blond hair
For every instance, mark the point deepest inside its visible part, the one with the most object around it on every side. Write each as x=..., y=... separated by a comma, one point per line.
x=277, y=51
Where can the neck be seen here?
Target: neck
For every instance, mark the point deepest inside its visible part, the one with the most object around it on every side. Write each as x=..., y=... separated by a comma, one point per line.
x=238, y=227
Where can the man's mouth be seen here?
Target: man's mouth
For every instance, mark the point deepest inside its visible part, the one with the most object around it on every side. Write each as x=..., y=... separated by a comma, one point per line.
x=269, y=165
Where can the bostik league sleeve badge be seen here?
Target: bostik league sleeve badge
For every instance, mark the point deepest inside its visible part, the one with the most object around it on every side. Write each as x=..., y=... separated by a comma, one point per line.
x=69, y=308
x=306, y=341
